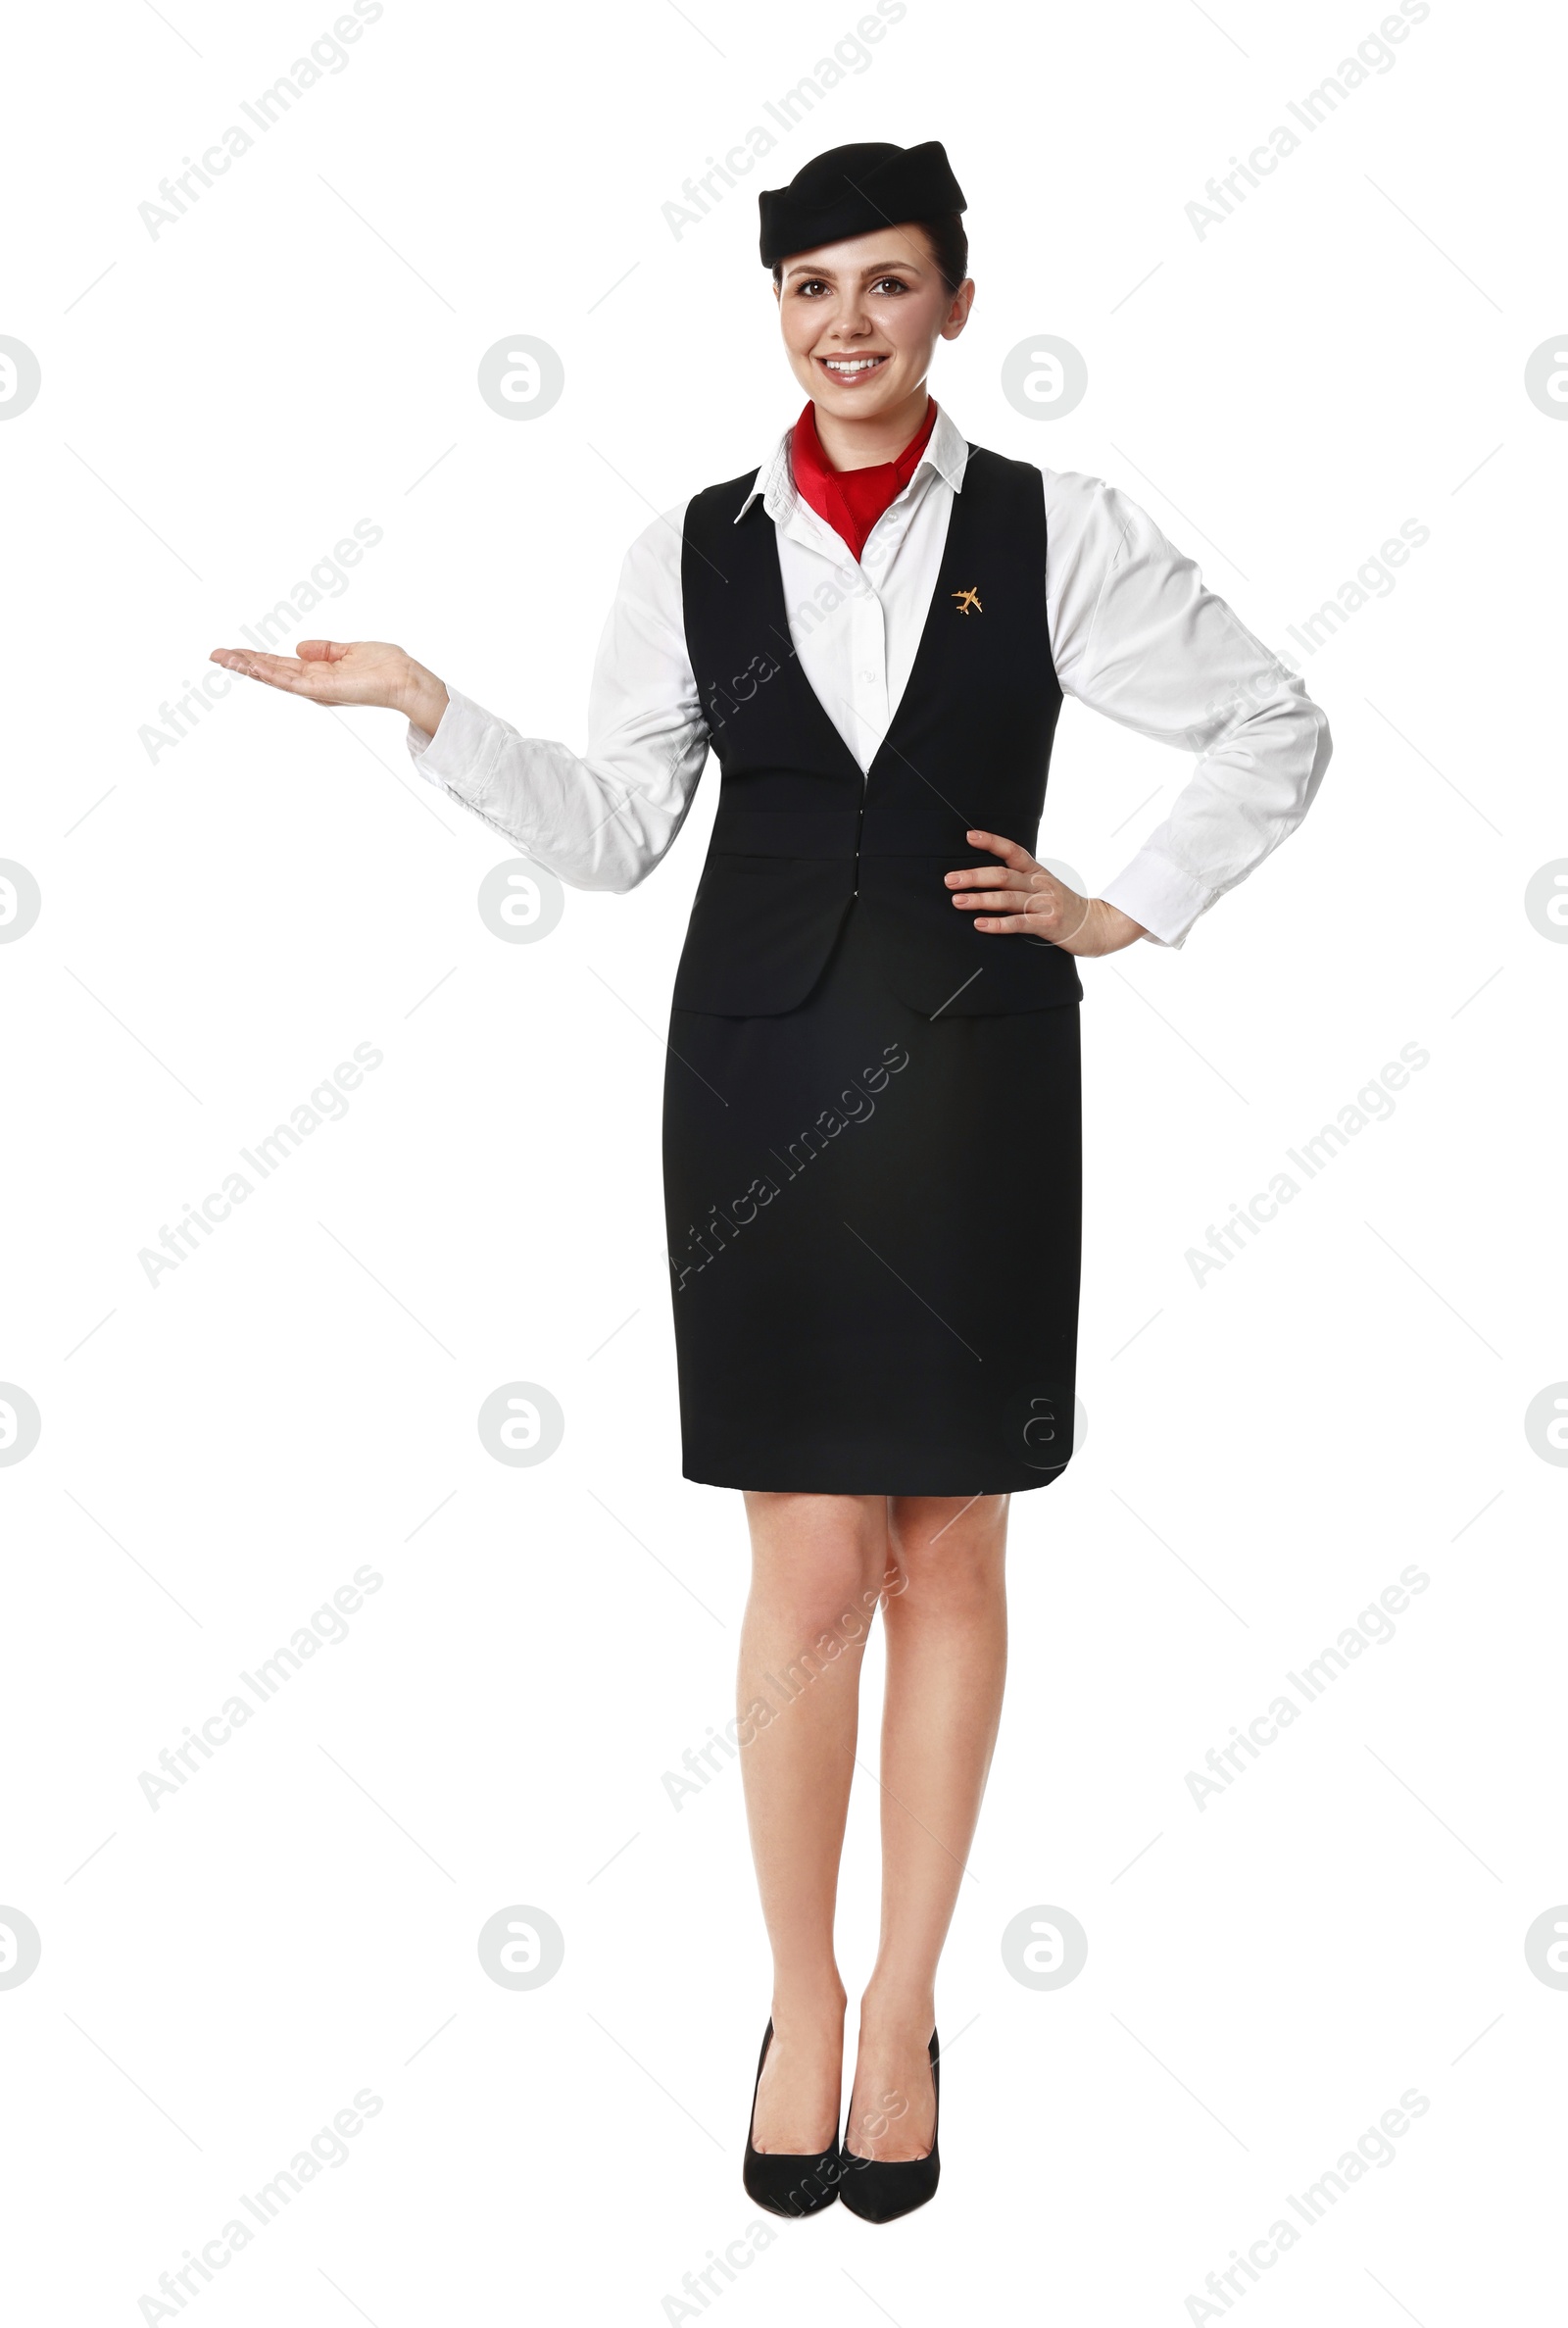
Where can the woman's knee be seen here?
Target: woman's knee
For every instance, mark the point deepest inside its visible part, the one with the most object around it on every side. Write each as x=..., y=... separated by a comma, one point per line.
x=946, y=1547
x=826, y=1555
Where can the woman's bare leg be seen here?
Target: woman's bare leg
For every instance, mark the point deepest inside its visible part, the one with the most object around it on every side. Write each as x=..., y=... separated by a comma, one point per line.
x=946, y=1660
x=818, y=1566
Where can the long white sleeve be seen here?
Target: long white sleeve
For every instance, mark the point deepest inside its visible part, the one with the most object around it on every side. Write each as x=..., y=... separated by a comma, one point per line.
x=602, y=820
x=1133, y=633
x=1136, y=635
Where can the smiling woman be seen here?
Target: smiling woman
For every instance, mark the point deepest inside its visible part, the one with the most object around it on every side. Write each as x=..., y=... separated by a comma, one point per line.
x=872, y=633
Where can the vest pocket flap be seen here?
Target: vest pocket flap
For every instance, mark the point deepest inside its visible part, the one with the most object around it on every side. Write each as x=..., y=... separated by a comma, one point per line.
x=783, y=832
x=937, y=832
x=760, y=930
x=935, y=957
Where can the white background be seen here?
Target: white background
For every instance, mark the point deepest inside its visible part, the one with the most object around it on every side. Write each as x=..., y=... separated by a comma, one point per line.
x=219, y=1452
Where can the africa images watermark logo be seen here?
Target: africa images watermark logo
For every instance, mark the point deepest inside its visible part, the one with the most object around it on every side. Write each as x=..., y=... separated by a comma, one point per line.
x=1372, y=1104
x=849, y=1631
x=855, y=1106
x=327, y=2148
x=1374, y=55
x=328, y=55
x=326, y=1103
x=1373, y=1624
x=1373, y=578
x=327, y=1625
x=1375, y=2149
x=326, y=579
x=851, y=54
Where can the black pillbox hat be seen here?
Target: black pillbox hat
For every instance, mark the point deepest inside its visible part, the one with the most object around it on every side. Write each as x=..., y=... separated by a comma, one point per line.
x=853, y=189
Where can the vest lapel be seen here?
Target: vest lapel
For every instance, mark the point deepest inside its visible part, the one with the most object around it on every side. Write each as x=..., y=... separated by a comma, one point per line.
x=800, y=832
x=920, y=669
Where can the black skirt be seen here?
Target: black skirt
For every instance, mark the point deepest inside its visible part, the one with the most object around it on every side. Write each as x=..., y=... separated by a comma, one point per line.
x=874, y=1224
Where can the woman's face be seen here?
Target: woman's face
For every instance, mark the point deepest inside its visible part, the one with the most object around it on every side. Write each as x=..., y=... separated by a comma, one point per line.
x=861, y=320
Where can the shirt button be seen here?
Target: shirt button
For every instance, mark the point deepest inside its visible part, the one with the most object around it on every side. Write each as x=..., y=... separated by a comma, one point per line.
x=867, y=677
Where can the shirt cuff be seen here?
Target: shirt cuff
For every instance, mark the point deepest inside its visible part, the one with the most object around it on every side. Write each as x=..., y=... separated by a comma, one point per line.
x=1154, y=891
x=460, y=754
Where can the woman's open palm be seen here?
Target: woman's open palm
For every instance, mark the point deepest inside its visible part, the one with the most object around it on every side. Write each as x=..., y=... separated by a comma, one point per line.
x=332, y=671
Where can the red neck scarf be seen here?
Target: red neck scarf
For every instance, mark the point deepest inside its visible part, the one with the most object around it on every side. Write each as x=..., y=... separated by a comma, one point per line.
x=851, y=500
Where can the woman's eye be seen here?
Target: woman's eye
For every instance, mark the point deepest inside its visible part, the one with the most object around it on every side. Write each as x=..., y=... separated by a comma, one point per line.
x=814, y=283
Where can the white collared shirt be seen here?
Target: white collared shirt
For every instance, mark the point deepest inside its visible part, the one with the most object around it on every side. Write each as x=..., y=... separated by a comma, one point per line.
x=1132, y=630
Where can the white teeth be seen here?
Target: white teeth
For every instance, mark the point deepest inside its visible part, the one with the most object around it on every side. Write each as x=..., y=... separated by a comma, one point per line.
x=852, y=363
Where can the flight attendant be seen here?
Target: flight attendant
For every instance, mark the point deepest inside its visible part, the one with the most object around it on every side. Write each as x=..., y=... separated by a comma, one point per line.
x=872, y=1104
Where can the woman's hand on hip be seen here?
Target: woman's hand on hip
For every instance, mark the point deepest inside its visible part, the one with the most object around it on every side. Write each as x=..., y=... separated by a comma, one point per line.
x=366, y=670
x=1020, y=896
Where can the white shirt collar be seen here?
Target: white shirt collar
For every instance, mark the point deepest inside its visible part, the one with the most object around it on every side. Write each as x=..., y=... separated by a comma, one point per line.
x=947, y=452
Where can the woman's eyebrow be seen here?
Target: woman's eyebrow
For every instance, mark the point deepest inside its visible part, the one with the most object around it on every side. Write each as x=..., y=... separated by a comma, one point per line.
x=828, y=274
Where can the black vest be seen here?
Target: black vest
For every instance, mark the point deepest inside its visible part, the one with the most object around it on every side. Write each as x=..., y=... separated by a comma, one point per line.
x=800, y=833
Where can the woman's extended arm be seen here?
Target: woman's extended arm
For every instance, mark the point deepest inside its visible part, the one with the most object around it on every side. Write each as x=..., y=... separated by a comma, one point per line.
x=601, y=819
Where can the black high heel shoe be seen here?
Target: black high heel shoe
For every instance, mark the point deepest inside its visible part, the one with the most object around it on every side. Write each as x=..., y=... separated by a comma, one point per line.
x=787, y=2182
x=880, y=2190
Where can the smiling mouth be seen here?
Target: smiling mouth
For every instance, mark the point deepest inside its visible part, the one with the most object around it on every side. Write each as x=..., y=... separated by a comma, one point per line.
x=847, y=369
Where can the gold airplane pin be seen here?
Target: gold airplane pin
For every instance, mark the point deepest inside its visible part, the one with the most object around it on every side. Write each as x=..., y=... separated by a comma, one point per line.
x=967, y=599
